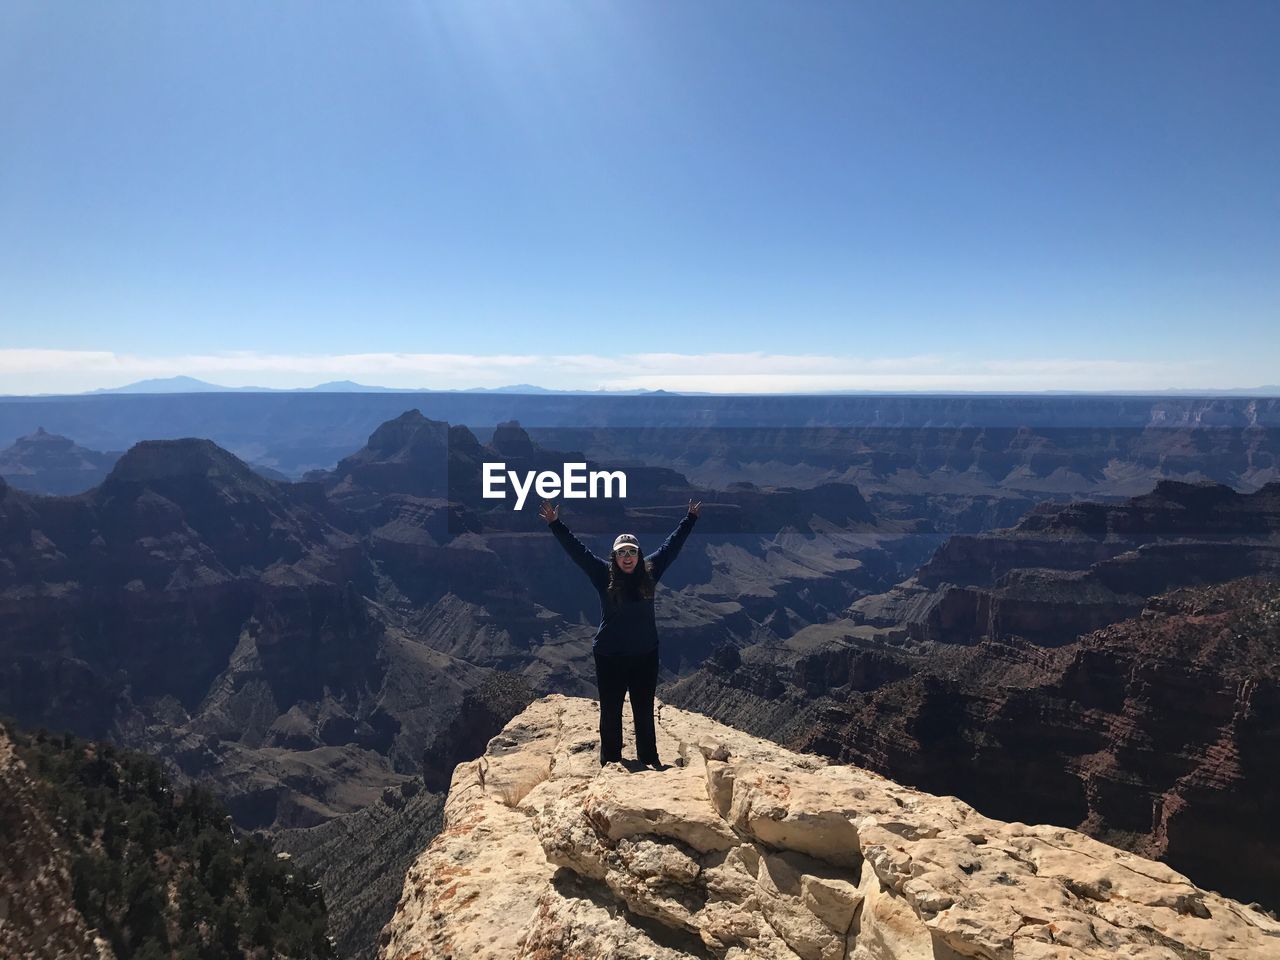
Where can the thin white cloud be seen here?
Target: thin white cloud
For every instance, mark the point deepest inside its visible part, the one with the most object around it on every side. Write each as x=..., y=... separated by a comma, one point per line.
x=68, y=371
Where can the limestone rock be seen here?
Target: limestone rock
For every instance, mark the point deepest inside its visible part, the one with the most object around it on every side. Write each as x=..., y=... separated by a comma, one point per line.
x=765, y=853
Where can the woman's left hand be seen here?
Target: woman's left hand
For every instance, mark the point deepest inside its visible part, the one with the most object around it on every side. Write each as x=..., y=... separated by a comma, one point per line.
x=695, y=507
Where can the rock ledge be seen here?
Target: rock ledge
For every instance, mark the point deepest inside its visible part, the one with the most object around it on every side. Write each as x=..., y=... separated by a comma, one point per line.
x=742, y=849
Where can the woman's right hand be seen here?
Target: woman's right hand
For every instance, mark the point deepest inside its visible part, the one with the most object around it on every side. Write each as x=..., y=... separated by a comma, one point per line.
x=549, y=511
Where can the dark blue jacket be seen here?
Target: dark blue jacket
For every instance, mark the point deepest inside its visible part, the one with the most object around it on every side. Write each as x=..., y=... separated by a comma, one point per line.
x=628, y=627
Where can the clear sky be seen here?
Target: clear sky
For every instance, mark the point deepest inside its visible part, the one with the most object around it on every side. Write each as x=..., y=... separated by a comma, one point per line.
x=708, y=194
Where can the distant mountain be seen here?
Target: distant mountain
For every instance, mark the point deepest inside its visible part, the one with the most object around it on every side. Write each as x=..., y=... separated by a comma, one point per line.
x=165, y=385
x=531, y=388
x=185, y=384
x=44, y=462
x=512, y=388
x=345, y=386
x=192, y=385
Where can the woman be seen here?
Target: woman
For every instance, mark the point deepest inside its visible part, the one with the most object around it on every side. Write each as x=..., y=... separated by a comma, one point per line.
x=626, y=643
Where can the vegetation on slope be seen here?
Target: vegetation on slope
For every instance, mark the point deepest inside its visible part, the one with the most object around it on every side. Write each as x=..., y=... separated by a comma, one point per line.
x=164, y=874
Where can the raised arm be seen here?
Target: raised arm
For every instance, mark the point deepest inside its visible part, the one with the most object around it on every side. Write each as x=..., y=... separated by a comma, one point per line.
x=592, y=566
x=665, y=554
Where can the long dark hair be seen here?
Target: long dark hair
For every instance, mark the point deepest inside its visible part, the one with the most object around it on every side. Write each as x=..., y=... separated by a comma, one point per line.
x=636, y=585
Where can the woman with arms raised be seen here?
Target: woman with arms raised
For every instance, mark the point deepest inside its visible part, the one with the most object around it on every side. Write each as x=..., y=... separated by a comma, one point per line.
x=625, y=647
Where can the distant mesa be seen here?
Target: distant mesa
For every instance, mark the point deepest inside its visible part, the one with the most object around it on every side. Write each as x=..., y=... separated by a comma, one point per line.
x=408, y=436
x=49, y=463
x=153, y=460
x=410, y=454
x=510, y=440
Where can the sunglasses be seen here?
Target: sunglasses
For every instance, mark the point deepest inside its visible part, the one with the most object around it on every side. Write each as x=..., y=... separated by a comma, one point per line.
x=627, y=552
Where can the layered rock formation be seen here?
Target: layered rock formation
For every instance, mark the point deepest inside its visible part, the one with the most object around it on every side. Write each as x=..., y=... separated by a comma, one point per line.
x=304, y=648
x=952, y=456
x=482, y=582
x=1062, y=570
x=44, y=462
x=361, y=859
x=743, y=849
x=195, y=610
x=1154, y=733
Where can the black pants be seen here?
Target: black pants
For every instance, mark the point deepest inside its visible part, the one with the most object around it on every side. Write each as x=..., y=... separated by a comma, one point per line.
x=617, y=676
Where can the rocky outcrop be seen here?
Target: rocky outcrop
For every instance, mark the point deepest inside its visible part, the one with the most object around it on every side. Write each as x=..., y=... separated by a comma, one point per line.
x=742, y=849
x=38, y=916
x=1154, y=733
x=1090, y=534
x=1065, y=570
x=44, y=462
x=408, y=455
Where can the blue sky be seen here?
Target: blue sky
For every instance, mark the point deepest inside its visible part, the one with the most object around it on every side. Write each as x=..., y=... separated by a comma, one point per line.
x=714, y=195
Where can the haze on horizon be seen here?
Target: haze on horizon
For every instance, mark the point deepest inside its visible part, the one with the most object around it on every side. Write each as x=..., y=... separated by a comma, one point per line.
x=714, y=197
